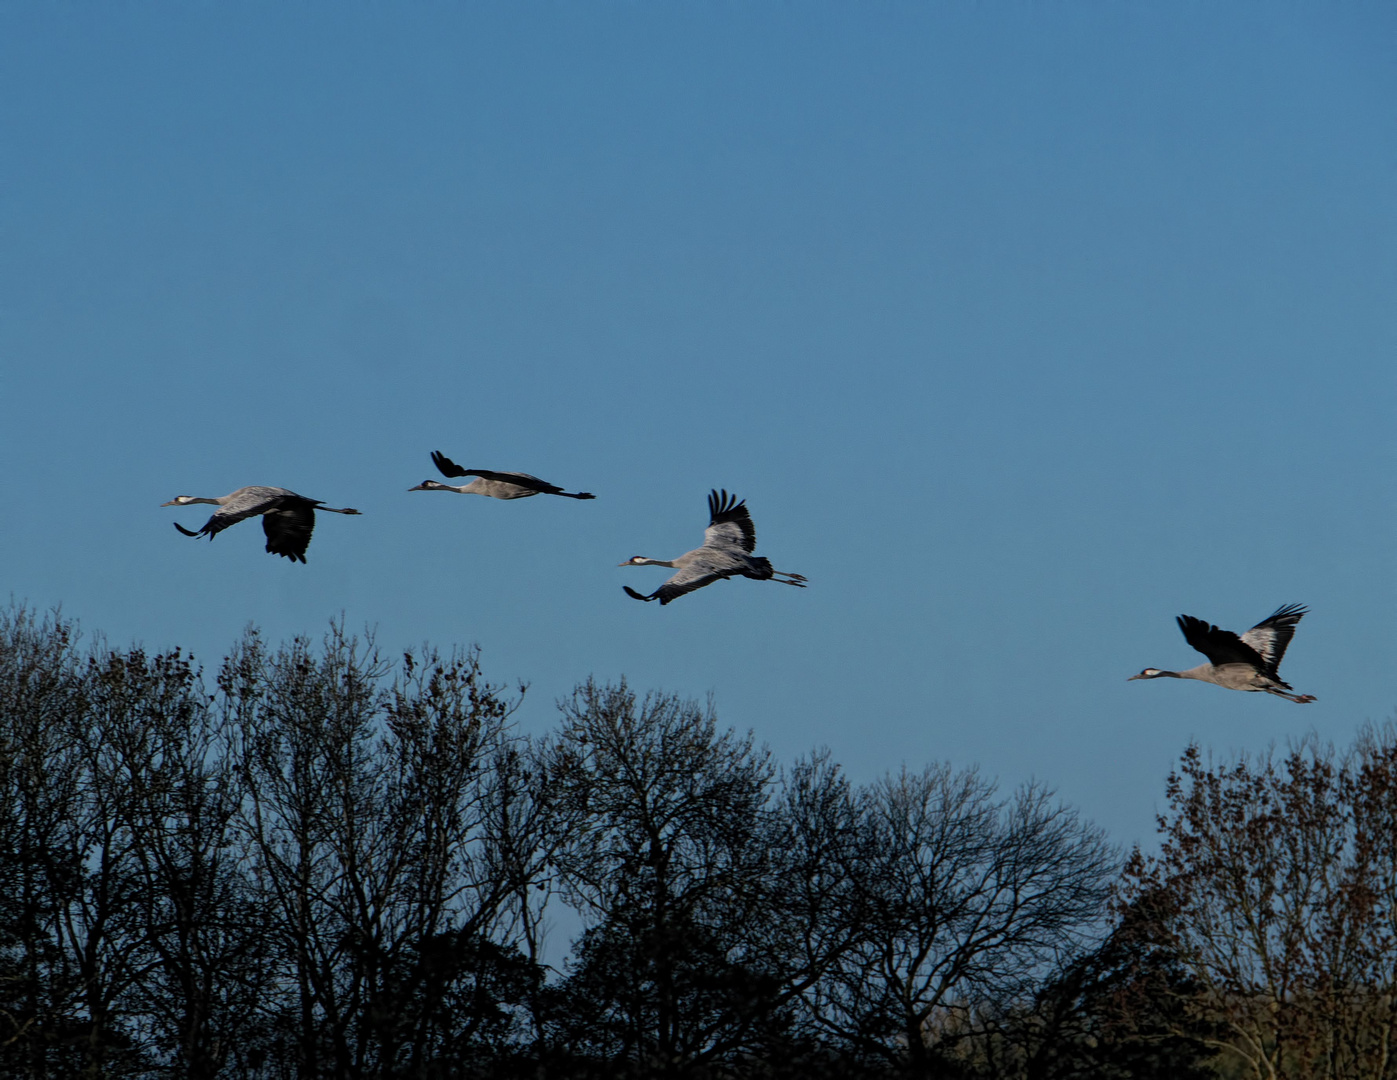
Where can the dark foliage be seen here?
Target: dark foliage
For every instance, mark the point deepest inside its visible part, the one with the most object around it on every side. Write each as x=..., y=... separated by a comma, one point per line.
x=1276, y=891
x=326, y=864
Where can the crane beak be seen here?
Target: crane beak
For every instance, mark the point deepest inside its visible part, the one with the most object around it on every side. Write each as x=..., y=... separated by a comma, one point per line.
x=170, y=503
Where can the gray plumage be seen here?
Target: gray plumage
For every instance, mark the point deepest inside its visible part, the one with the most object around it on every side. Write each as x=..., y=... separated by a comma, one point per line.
x=728, y=543
x=1250, y=662
x=496, y=485
x=287, y=518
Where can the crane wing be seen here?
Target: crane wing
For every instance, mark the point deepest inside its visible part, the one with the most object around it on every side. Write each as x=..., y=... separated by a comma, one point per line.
x=686, y=581
x=244, y=503
x=288, y=530
x=1271, y=636
x=729, y=523
x=518, y=479
x=447, y=467
x=1219, y=646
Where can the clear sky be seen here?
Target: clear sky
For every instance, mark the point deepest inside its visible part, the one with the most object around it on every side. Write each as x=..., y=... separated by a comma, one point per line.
x=1022, y=328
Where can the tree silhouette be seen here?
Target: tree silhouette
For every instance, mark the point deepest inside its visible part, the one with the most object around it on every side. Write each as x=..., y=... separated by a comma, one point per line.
x=1275, y=886
x=327, y=863
x=672, y=865
x=967, y=899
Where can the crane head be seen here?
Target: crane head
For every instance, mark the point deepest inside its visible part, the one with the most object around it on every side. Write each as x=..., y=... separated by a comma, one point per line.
x=179, y=500
x=429, y=485
x=1148, y=673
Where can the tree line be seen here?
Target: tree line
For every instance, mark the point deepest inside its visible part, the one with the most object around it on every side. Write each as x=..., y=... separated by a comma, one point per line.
x=323, y=861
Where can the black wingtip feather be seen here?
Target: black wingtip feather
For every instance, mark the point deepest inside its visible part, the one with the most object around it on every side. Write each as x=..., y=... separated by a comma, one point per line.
x=445, y=465
x=635, y=595
x=1287, y=612
x=720, y=503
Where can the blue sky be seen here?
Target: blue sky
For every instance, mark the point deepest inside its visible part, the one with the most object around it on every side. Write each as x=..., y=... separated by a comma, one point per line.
x=1022, y=329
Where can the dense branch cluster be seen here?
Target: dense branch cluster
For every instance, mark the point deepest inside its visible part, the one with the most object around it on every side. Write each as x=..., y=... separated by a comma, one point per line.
x=326, y=863
x=1276, y=889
